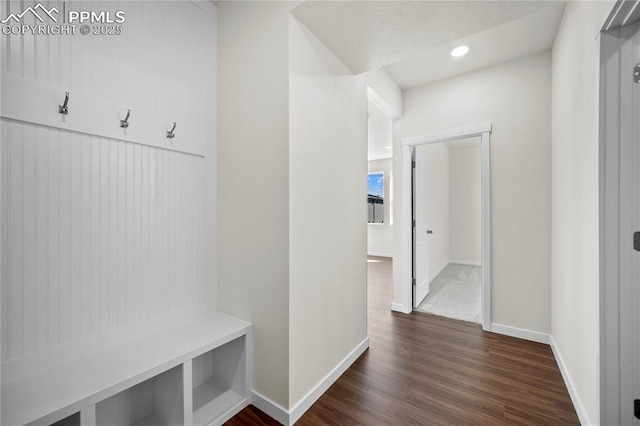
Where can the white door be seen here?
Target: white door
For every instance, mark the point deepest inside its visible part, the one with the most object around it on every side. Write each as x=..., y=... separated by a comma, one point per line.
x=635, y=286
x=629, y=309
x=421, y=231
x=620, y=222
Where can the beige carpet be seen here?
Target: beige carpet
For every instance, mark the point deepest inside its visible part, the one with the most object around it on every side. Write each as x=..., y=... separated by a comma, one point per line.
x=455, y=293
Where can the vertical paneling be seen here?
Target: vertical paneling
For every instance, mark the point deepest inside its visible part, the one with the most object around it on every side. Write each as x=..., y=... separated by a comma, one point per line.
x=86, y=241
x=42, y=237
x=98, y=233
x=64, y=246
x=14, y=205
x=113, y=275
x=53, y=240
x=29, y=243
x=75, y=213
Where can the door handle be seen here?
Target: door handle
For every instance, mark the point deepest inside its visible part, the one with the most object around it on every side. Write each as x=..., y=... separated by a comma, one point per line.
x=429, y=231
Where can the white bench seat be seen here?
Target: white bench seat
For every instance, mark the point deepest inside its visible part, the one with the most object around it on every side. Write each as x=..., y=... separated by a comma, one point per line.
x=69, y=387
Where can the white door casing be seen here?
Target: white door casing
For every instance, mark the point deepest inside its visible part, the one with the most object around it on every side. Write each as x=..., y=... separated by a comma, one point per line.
x=408, y=144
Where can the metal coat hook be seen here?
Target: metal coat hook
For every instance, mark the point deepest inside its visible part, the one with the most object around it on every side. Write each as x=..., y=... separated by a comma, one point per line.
x=125, y=123
x=64, y=108
x=170, y=134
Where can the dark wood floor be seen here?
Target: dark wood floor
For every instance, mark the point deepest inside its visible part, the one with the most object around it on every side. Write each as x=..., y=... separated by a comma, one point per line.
x=426, y=370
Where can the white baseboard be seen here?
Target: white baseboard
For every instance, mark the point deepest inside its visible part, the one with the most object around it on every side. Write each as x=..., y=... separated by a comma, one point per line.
x=440, y=269
x=397, y=307
x=466, y=262
x=271, y=408
x=379, y=254
x=307, y=401
x=521, y=333
x=289, y=417
x=575, y=398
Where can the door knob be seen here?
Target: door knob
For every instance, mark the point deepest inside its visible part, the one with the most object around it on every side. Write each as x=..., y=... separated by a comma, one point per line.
x=429, y=231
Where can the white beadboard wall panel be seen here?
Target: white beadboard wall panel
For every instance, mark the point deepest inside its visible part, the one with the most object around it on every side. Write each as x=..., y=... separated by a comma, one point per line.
x=104, y=227
x=99, y=234
x=147, y=69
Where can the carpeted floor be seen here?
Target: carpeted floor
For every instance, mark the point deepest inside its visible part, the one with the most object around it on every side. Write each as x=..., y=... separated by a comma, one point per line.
x=455, y=293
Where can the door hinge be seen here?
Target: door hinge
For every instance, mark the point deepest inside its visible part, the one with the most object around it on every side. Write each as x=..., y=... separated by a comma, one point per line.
x=636, y=73
x=636, y=241
x=413, y=282
x=413, y=164
x=636, y=408
x=413, y=223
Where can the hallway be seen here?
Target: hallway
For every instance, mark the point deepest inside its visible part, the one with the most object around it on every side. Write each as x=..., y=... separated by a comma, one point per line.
x=429, y=370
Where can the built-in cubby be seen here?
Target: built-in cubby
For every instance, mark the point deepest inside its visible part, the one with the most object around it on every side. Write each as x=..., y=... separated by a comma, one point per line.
x=158, y=401
x=195, y=373
x=219, y=380
x=72, y=420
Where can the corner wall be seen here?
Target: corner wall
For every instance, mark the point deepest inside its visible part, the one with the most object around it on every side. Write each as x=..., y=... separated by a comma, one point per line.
x=253, y=179
x=292, y=231
x=328, y=214
x=575, y=219
x=515, y=98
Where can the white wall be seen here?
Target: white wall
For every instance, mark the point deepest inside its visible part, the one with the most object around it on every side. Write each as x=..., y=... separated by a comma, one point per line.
x=432, y=204
x=298, y=274
x=327, y=258
x=253, y=176
x=380, y=129
x=575, y=235
x=380, y=236
x=386, y=95
x=102, y=231
x=465, y=204
x=515, y=98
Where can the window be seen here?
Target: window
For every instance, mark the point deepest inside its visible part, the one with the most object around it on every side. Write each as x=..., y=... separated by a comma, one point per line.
x=375, y=197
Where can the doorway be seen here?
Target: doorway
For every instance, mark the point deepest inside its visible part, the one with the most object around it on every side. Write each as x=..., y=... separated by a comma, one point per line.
x=415, y=236
x=447, y=236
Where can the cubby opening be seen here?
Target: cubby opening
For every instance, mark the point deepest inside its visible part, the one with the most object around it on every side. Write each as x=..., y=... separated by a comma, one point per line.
x=72, y=420
x=219, y=380
x=158, y=401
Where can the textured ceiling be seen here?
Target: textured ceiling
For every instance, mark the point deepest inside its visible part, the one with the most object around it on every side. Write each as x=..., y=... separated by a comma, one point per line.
x=524, y=36
x=370, y=34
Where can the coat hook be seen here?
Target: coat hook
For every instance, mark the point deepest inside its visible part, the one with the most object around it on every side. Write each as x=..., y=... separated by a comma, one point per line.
x=125, y=123
x=64, y=109
x=170, y=134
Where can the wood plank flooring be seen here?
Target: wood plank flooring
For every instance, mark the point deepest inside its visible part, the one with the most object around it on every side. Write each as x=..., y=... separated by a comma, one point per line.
x=426, y=370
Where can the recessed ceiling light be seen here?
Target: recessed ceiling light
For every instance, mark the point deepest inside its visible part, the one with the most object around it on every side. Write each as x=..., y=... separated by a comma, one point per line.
x=388, y=147
x=459, y=51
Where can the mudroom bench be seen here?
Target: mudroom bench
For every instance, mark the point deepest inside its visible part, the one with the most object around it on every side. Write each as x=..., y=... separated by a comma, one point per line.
x=194, y=373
